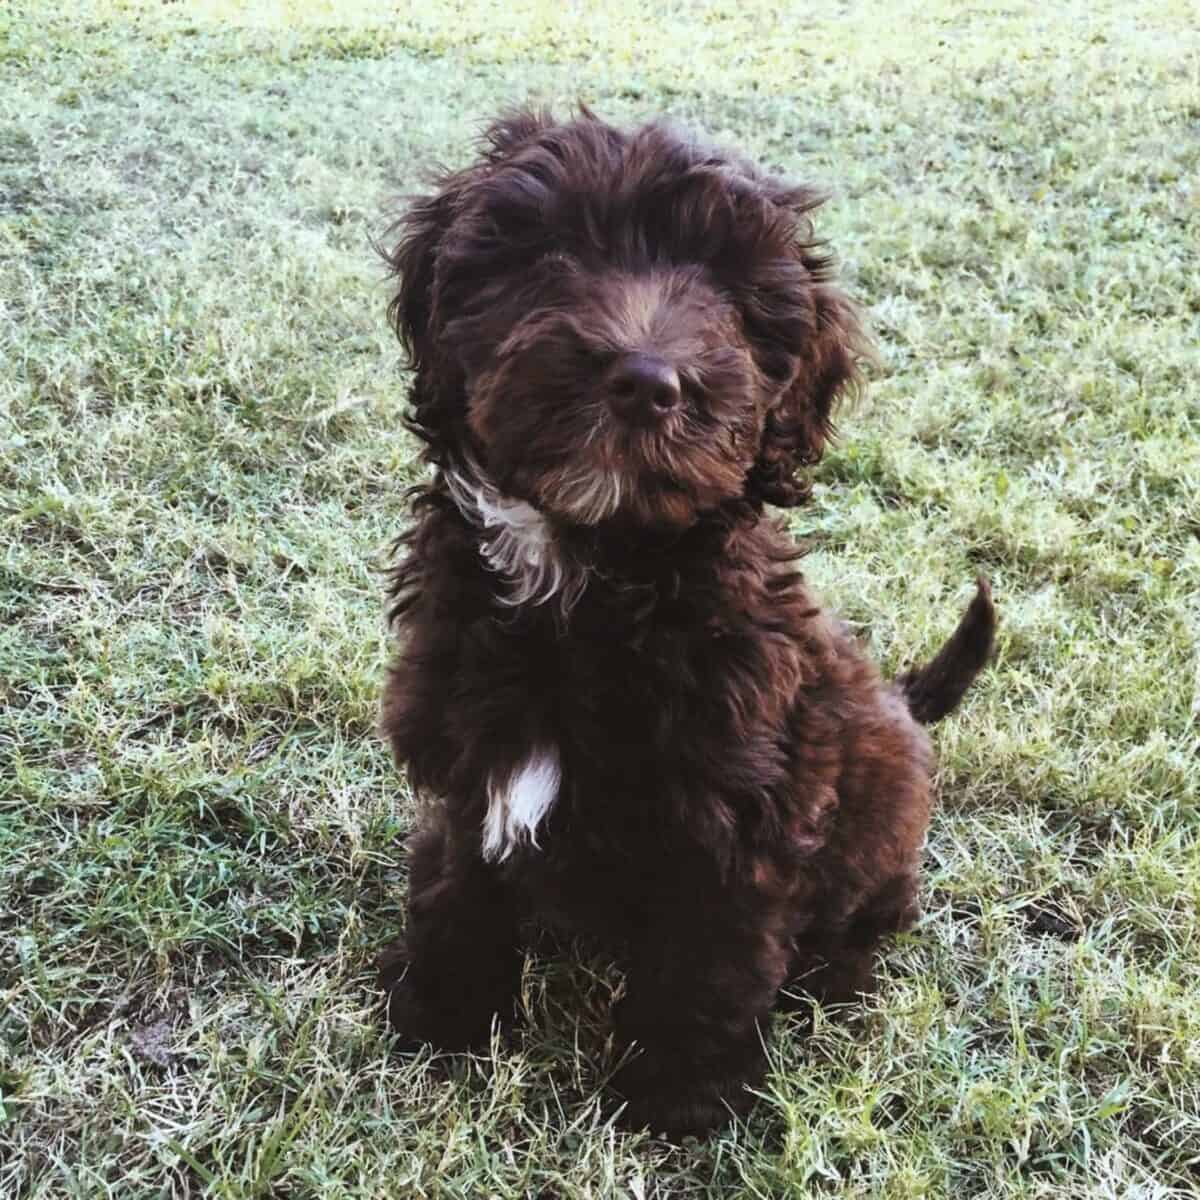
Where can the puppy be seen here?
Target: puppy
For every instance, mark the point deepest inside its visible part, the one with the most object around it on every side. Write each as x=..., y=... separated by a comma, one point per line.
x=621, y=702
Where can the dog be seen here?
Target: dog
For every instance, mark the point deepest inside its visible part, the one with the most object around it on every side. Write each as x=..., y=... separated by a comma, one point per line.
x=614, y=690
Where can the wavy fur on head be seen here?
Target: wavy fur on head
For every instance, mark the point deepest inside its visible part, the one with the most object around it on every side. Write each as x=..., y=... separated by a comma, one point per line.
x=623, y=706
x=565, y=246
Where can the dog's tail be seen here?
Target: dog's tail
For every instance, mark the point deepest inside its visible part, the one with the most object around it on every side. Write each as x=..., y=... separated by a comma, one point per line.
x=935, y=689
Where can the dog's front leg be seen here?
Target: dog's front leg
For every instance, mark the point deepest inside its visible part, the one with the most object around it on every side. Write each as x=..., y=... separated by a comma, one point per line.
x=700, y=989
x=459, y=963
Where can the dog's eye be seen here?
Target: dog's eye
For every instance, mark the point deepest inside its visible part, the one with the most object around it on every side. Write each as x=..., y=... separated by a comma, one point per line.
x=777, y=365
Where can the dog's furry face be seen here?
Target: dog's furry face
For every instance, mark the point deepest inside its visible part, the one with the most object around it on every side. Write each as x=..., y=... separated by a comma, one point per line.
x=621, y=327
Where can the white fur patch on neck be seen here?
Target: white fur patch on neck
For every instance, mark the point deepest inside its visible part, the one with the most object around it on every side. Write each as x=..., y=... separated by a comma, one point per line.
x=517, y=543
x=517, y=803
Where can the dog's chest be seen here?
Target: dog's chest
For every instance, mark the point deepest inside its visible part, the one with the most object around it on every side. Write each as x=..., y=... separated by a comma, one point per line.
x=577, y=730
x=608, y=730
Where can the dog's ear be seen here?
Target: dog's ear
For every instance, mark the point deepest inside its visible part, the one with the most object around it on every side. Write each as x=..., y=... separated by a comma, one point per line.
x=423, y=225
x=801, y=421
x=813, y=344
x=412, y=259
x=414, y=244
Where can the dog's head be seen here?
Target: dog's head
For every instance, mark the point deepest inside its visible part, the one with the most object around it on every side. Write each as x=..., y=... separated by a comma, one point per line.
x=621, y=325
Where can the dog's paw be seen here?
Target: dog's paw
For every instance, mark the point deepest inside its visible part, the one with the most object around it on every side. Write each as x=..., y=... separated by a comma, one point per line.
x=423, y=1016
x=405, y=1015
x=675, y=1104
x=392, y=964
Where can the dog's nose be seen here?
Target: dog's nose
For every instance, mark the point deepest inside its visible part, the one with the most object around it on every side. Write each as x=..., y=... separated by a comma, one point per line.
x=643, y=387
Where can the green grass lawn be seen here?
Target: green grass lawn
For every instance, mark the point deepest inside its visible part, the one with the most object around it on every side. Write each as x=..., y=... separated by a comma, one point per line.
x=202, y=466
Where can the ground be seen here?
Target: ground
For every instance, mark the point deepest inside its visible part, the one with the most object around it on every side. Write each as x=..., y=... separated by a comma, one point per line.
x=202, y=466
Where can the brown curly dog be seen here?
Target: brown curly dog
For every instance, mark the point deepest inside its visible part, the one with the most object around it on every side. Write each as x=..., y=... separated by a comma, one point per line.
x=623, y=705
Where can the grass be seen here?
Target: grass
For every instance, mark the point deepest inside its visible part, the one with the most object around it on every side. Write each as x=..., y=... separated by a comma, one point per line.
x=202, y=465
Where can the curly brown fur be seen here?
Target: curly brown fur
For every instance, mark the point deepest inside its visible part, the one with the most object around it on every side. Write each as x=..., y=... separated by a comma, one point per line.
x=618, y=696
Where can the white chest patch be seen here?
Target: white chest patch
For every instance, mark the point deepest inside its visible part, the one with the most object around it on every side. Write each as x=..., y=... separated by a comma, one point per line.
x=518, y=543
x=517, y=803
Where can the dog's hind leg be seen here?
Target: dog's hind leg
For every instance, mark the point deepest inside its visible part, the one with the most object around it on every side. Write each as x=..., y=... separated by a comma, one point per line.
x=836, y=965
x=459, y=964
